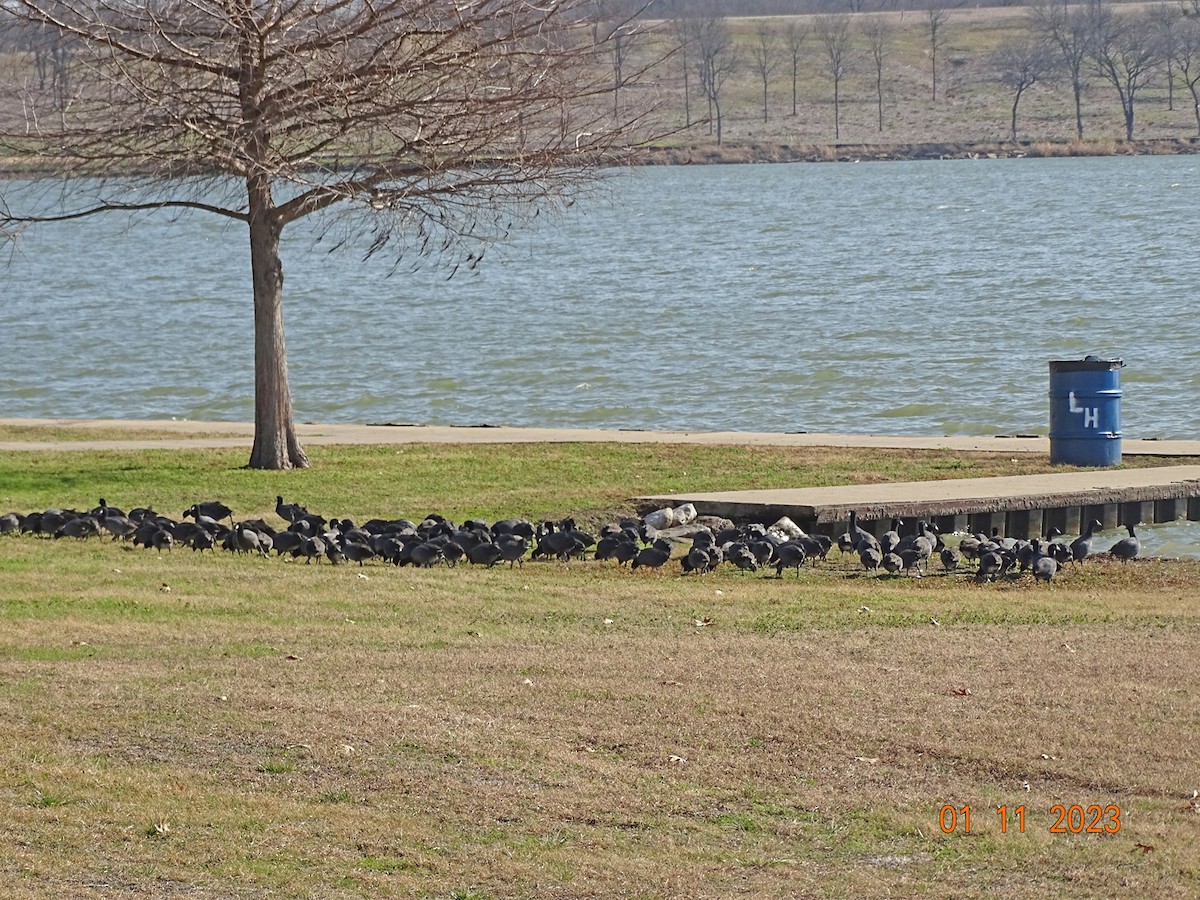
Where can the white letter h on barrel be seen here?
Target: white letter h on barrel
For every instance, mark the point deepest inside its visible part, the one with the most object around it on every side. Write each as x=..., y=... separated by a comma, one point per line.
x=1091, y=414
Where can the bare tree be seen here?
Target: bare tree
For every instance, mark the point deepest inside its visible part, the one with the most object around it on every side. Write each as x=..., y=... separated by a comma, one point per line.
x=716, y=62
x=1187, y=60
x=432, y=125
x=936, y=17
x=1021, y=63
x=794, y=36
x=833, y=33
x=620, y=39
x=764, y=57
x=1167, y=19
x=879, y=30
x=1125, y=51
x=1066, y=27
x=683, y=38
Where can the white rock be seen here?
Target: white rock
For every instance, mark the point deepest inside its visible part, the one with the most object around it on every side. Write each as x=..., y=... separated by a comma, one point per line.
x=787, y=528
x=661, y=518
x=685, y=514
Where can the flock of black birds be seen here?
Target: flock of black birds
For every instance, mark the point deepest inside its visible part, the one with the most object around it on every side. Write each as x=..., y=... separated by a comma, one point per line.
x=631, y=541
x=995, y=556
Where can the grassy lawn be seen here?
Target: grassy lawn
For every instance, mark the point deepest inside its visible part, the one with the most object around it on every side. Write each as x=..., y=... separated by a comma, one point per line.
x=188, y=725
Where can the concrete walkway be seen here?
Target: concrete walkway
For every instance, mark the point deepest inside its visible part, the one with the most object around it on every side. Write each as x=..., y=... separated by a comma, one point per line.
x=1022, y=506
x=176, y=434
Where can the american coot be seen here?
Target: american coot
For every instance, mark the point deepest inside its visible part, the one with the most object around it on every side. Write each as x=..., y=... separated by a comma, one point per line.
x=891, y=539
x=1081, y=547
x=213, y=509
x=289, y=512
x=860, y=535
x=790, y=556
x=1126, y=548
x=1045, y=566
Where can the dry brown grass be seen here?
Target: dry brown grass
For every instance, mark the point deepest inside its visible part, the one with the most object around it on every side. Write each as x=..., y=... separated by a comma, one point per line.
x=265, y=729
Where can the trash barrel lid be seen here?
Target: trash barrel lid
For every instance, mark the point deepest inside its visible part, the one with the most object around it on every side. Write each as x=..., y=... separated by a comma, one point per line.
x=1090, y=363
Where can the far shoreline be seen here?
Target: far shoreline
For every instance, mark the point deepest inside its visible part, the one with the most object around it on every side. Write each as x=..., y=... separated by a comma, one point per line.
x=741, y=153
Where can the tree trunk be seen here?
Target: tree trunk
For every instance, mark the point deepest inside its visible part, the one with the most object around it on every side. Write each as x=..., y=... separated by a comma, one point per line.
x=837, y=113
x=275, y=444
x=1078, y=109
x=879, y=98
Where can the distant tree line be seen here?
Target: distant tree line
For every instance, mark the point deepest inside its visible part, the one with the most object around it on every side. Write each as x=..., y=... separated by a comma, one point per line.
x=1123, y=48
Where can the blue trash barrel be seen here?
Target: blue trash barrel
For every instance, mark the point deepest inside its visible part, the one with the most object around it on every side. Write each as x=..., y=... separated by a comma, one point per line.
x=1085, y=412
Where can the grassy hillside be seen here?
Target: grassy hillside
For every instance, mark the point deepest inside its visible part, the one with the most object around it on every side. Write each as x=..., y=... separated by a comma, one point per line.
x=972, y=105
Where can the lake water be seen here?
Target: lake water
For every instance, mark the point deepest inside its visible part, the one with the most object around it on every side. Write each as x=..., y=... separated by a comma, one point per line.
x=902, y=298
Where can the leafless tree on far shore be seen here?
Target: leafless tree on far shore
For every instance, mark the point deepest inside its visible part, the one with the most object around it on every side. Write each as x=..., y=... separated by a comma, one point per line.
x=1067, y=28
x=1021, y=64
x=764, y=57
x=833, y=33
x=716, y=61
x=879, y=30
x=1125, y=51
x=421, y=126
x=1187, y=60
x=1167, y=18
x=936, y=17
x=794, y=35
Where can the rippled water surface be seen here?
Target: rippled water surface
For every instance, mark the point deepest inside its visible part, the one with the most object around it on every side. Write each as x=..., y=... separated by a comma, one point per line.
x=921, y=298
